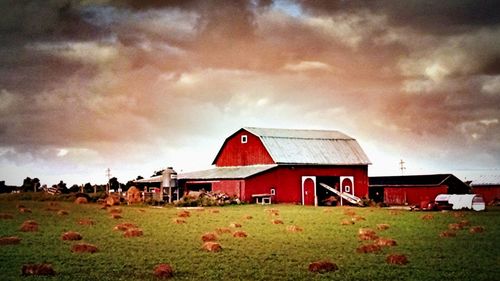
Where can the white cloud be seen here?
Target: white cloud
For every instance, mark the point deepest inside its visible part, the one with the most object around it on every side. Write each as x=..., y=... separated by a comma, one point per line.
x=491, y=85
x=307, y=66
x=86, y=52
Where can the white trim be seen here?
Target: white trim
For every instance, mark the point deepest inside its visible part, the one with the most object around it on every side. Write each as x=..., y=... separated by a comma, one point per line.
x=351, y=189
x=313, y=178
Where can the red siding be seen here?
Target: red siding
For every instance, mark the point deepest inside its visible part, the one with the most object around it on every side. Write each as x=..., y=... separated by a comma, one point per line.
x=230, y=187
x=412, y=195
x=489, y=192
x=235, y=153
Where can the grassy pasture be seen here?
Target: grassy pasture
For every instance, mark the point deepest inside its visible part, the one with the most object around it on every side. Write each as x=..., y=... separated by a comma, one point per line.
x=270, y=252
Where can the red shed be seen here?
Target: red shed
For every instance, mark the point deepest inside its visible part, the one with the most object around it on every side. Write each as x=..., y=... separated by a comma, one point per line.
x=287, y=165
x=488, y=186
x=412, y=190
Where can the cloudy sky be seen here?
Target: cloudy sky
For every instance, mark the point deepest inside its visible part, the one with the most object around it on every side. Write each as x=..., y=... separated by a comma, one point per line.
x=136, y=86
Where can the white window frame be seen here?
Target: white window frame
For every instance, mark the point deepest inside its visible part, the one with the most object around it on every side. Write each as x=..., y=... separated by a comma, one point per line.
x=244, y=138
x=273, y=191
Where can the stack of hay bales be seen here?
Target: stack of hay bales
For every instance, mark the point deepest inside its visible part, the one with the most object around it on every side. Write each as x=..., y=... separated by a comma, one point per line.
x=133, y=195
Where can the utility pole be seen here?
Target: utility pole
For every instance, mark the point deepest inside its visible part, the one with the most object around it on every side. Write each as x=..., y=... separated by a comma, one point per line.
x=108, y=175
x=402, y=166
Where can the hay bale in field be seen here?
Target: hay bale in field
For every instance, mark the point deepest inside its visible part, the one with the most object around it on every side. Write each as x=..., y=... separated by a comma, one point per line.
x=71, y=236
x=367, y=236
x=84, y=248
x=322, y=266
x=163, y=270
x=294, y=228
x=116, y=216
x=464, y=223
x=369, y=248
x=476, y=229
x=386, y=242
x=86, y=222
x=113, y=200
x=29, y=226
x=346, y=222
x=124, y=226
x=6, y=216
x=133, y=232
x=366, y=231
x=276, y=221
x=9, y=240
x=38, y=269
x=211, y=247
x=209, y=236
x=358, y=218
x=184, y=214
x=222, y=230
x=235, y=225
x=63, y=212
x=454, y=226
x=133, y=195
x=427, y=217
x=25, y=210
x=81, y=200
x=240, y=234
x=396, y=259
x=448, y=233
x=179, y=221
x=247, y=217
x=383, y=226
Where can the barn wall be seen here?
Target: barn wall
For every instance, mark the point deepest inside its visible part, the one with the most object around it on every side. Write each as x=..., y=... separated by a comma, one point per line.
x=235, y=153
x=488, y=192
x=230, y=187
x=412, y=195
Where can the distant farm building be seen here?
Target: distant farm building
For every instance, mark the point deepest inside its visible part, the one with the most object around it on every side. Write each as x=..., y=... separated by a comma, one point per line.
x=285, y=166
x=488, y=187
x=412, y=190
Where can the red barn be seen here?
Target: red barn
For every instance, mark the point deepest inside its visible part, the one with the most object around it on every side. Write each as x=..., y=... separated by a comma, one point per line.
x=286, y=165
x=488, y=186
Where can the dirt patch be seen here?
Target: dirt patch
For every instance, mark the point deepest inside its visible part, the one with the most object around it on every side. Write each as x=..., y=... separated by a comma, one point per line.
x=63, y=212
x=81, y=200
x=276, y=221
x=396, y=259
x=346, y=222
x=163, y=270
x=454, y=226
x=212, y=247
x=25, y=210
x=476, y=229
x=10, y=240
x=209, y=236
x=179, y=221
x=322, y=266
x=6, y=216
x=369, y=248
x=294, y=228
x=38, y=269
x=124, y=226
x=222, y=230
x=184, y=214
x=427, y=217
x=383, y=226
x=71, y=236
x=133, y=232
x=116, y=216
x=386, y=242
x=235, y=225
x=84, y=248
x=86, y=222
x=240, y=234
x=29, y=226
x=448, y=233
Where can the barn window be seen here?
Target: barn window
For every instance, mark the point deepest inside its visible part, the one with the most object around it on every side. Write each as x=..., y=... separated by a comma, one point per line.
x=273, y=191
x=244, y=139
x=347, y=188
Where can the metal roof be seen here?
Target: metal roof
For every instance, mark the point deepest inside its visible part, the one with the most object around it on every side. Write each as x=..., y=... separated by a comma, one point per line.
x=486, y=180
x=236, y=172
x=151, y=179
x=318, y=147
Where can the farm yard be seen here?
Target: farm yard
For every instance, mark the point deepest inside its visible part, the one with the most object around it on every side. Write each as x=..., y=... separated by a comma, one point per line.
x=273, y=242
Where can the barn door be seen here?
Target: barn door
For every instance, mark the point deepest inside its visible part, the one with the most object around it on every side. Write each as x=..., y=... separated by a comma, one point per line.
x=309, y=191
x=346, y=186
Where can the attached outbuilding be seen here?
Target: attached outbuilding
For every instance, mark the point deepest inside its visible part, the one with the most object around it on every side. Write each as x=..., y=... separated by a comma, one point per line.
x=488, y=186
x=414, y=189
x=285, y=166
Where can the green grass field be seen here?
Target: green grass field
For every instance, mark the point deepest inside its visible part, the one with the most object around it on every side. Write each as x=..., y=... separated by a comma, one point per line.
x=270, y=252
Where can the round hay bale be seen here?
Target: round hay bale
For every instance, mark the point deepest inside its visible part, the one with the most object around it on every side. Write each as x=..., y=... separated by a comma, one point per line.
x=367, y=236
x=240, y=234
x=369, y=248
x=222, y=230
x=29, y=226
x=448, y=233
x=84, y=248
x=212, y=247
x=38, y=269
x=115, y=211
x=276, y=221
x=396, y=259
x=116, y=216
x=476, y=229
x=247, y=217
x=427, y=217
x=86, y=222
x=63, y=212
x=81, y=200
x=346, y=222
x=163, y=270
x=386, y=242
x=10, y=240
x=235, y=225
x=454, y=226
x=113, y=200
x=133, y=232
x=366, y=231
x=322, y=267
x=124, y=226
x=6, y=216
x=209, y=236
x=179, y=221
x=25, y=210
x=71, y=236
x=383, y=226
x=294, y=228
x=133, y=195
x=184, y=214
